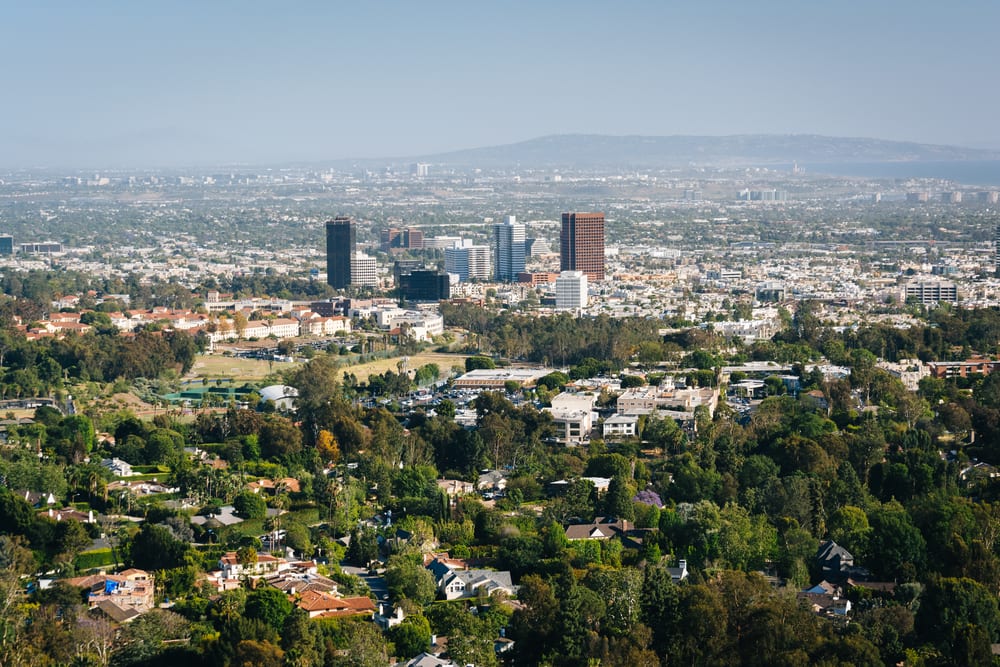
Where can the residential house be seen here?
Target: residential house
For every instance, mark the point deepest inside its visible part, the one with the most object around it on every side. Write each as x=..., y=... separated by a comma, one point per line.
x=620, y=426
x=426, y=660
x=492, y=480
x=122, y=596
x=326, y=605
x=226, y=516
x=602, y=528
x=117, y=467
x=837, y=563
x=68, y=513
x=141, y=488
x=266, y=564
x=502, y=645
x=454, y=583
x=456, y=487
x=470, y=583
x=825, y=599
x=286, y=484
x=385, y=619
x=298, y=580
x=38, y=499
x=879, y=588
x=680, y=572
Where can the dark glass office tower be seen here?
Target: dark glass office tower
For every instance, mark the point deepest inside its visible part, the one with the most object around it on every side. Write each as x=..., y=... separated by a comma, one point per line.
x=341, y=236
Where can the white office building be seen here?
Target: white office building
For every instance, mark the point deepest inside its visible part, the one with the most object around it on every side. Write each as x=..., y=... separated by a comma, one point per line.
x=364, y=271
x=468, y=263
x=571, y=290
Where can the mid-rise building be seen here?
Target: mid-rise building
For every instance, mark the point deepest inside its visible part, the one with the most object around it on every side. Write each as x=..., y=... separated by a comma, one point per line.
x=581, y=244
x=442, y=242
x=403, y=266
x=341, y=238
x=761, y=195
x=534, y=247
x=424, y=285
x=46, y=248
x=771, y=291
x=573, y=417
x=931, y=293
x=537, y=277
x=508, y=249
x=388, y=239
x=6, y=245
x=393, y=238
x=967, y=368
x=571, y=290
x=468, y=263
x=364, y=270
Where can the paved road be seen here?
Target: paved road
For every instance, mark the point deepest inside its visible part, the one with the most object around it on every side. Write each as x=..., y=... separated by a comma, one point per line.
x=375, y=583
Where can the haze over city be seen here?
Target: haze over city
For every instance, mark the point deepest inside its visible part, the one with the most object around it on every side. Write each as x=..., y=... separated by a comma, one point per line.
x=130, y=84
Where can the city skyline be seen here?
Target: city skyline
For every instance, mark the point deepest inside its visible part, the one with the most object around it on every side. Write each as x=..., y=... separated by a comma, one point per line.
x=225, y=83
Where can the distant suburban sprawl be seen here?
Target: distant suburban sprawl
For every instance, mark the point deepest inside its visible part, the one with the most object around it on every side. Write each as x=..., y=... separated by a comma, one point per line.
x=579, y=401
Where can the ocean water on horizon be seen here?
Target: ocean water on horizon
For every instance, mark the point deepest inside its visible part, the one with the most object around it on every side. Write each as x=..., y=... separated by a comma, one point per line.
x=966, y=172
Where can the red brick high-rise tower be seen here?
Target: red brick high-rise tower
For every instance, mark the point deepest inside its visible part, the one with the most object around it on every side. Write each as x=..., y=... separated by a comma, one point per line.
x=581, y=244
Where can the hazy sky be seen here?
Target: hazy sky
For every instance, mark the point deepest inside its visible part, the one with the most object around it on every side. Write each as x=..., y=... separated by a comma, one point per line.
x=153, y=83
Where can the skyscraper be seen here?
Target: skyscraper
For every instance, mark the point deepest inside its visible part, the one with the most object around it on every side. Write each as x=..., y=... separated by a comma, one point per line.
x=581, y=244
x=341, y=236
x=996, y=250
x=508, y=249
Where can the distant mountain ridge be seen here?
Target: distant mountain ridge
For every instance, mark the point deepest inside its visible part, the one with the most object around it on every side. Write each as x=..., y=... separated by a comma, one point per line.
x=591, y=150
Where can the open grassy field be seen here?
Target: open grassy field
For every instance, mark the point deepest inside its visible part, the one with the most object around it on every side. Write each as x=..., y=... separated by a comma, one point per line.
x=238, y=370
x=444, y=362
x=213, y=367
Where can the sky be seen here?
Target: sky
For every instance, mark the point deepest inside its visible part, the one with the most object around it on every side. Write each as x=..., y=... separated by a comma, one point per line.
x=184, y=83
